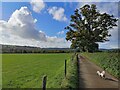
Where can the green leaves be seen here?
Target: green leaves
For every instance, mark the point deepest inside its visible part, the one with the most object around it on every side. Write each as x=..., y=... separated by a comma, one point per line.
x=89, y=26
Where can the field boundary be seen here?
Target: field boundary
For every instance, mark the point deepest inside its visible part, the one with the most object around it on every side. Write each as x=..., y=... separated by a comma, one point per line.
x=71, y=80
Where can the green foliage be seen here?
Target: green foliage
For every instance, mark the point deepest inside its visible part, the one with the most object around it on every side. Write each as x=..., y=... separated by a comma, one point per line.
x=71, y=80
x=108, y=61
x=88, y=26
x=27, y=70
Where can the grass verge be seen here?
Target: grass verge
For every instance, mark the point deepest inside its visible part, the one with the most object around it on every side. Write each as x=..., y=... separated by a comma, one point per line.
x=71, y=79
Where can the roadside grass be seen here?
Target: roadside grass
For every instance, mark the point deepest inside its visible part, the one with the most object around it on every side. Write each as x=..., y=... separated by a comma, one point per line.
x=106, y=60
x=27, y=70
x=71, y=80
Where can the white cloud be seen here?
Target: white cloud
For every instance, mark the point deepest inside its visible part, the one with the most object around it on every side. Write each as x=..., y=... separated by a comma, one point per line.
x=108, y=8
x=113, y=43
x=58, y=42
x=61, y=32
x=109, y=45
x=35, y=20
x=20, y=30
x=91, y=0
x=103, y=7
x=57, y=13
x=21, y=23
x=37, y=5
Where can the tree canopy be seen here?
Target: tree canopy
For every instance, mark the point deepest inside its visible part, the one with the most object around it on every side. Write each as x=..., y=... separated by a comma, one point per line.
x=88, y=27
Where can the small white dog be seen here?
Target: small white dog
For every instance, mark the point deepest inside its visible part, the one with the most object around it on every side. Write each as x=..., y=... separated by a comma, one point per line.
x=98, y=72
x=102, y=74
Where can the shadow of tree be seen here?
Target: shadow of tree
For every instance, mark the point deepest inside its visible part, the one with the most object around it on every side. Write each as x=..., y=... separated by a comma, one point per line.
x=81, y=80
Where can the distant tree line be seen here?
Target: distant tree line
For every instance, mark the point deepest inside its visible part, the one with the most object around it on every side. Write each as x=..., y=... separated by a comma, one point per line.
x=113, y=50
x=28, y=49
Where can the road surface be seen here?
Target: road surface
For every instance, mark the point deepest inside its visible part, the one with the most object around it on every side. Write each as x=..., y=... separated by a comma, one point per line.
x=88, y=77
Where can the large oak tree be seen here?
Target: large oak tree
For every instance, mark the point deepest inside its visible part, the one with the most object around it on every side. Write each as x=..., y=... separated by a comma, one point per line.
x=88, y=27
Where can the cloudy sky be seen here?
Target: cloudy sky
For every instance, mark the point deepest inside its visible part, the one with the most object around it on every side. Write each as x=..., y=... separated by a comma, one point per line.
x=40, y=23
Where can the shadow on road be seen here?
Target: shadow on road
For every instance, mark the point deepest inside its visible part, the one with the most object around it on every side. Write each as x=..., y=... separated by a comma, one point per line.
x=110, y=79
x=81, y=80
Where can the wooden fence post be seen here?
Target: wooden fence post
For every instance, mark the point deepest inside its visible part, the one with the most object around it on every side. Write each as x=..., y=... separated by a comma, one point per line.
x=44, y=81
x=65, y=67
x=77, y=57
x=72, y=57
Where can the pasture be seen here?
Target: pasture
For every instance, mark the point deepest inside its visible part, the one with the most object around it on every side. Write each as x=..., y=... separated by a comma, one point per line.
x=27, y=70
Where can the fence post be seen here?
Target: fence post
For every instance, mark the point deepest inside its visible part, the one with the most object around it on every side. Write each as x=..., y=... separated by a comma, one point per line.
x=44, y=81
x=65, y=67
x=77, y=57
x=72, y=57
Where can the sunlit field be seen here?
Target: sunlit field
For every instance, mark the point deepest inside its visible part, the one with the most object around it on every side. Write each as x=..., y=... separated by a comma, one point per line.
x=27, y=70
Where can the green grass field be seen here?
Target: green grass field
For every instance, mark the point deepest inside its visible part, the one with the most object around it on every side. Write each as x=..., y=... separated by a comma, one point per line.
x=27, y=70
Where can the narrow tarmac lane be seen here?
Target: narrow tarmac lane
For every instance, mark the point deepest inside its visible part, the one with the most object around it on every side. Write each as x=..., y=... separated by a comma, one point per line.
x=88, y=77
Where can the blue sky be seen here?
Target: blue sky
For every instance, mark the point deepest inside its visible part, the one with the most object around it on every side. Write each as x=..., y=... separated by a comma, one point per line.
x=44, y=25
x=51, y=27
